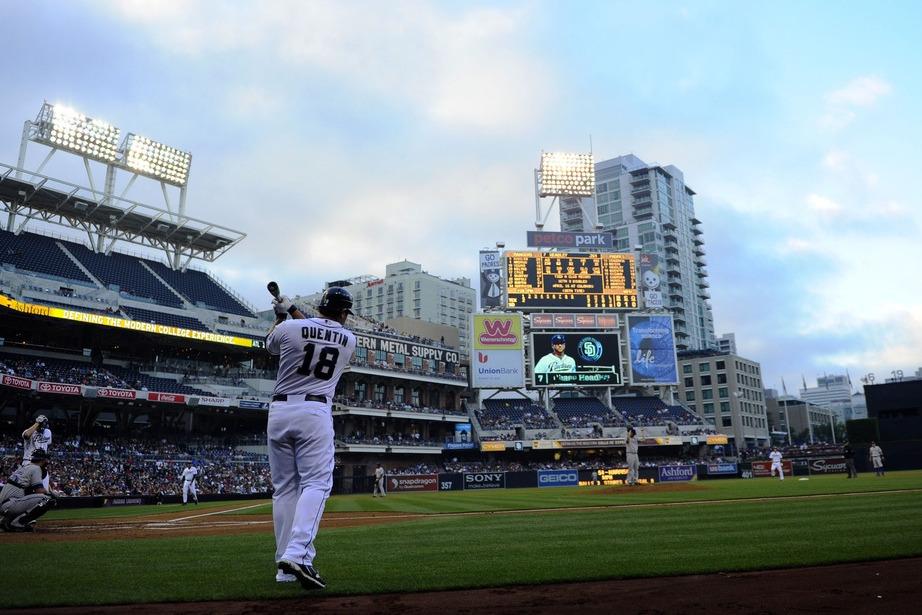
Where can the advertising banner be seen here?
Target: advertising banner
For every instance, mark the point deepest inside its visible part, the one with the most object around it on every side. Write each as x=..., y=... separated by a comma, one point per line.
x=59, y=388
x=652, y=347
x=570, y=280
x=587, y=241
x=408, y=349
x=167, y=398
x=558, y=478
x=216, y=402
x=459, y=446
x=450, y=482
x=722, y=468
x=574, y=321
x=651, y=280
x=485, y=480
x=250, y=404
x=463, y=432
x=827, y=465
x=764, y=468
x=499, y=351
x=16, y=382
x=413, y=482
x=492, y=446
x=117, y=393
x=575, y=359
x=491, y=279
x=123, y=323
x=717, y=439
x=676, y=473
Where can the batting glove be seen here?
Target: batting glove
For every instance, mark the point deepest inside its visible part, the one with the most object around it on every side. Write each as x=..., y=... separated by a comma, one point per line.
x=283, y=305
x=41, y=418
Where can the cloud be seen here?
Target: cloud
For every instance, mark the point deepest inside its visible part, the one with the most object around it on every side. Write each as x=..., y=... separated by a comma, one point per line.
x=860, y=92
x=459, y=68
x=823, y=205
x=842, y=104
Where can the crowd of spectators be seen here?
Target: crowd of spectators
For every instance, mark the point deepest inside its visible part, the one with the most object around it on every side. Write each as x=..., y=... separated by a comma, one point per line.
x=392, y=439
x=66, y=372
x=101, y=465
x=352, y=402
x=804, y=449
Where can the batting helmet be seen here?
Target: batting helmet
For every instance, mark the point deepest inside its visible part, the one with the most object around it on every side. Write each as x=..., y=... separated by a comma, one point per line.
x=558, y=339
x=334, y=301
x=39, y=454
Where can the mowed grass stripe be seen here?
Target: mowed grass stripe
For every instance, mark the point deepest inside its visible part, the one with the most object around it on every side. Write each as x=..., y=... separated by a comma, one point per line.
x=484, y=550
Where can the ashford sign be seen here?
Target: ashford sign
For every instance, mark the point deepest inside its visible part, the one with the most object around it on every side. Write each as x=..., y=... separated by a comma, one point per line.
x=408, y=349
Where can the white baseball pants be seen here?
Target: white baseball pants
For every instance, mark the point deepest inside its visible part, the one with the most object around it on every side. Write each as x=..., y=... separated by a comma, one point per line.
x=777, y=466
x=187, y=488
x=300, y=438
x=633, y=468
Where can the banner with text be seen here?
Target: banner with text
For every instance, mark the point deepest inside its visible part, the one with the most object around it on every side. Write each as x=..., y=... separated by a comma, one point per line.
x=552, y=239
x=764, y=468
x=16, y=382
x=491, y=279
x=558, y=478
x=413, y=482
x=408, y=349
x=651, y=280
x=484, y=480
x=652, y=347
x=676, y=473
x=498, y=360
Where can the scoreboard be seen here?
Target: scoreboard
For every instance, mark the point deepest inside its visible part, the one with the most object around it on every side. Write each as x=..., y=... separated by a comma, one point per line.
x=568, y=280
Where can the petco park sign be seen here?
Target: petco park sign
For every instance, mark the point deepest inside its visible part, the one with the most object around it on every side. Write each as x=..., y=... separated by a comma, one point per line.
x=541, y=239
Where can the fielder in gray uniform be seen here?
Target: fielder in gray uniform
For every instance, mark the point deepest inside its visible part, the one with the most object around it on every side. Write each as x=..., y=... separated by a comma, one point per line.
x=633, y=460
x=379, y=482
x=23, y=499
x=313, y=352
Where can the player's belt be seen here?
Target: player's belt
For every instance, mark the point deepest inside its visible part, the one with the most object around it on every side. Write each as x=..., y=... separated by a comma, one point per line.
x=15, y=484
x=283, y=397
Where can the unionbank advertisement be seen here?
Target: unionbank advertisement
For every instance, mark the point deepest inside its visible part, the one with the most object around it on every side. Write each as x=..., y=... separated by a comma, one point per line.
x=498, y=357
x=652, y=347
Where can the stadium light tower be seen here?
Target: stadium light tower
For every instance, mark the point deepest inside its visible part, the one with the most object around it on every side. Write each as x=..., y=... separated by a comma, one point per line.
x=568, y=175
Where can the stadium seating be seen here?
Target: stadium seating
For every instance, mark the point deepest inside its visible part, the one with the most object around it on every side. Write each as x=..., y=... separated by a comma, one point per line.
x=38, y=254
x=143, y=382
x=127, y=273
x=59, y=370
x=581, y=411
x=161, y=318
x=509, y=413
x=653, y=411
x=200, y=289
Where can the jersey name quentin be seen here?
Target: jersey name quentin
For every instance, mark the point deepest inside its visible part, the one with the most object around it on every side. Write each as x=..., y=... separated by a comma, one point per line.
x=324, y=334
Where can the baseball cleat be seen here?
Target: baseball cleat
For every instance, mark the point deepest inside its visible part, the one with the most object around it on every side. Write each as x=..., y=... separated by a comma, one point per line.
x=281, y=577
x=306, y=575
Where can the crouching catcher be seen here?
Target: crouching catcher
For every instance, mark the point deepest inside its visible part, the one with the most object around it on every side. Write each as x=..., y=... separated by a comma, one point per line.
x=23, y=498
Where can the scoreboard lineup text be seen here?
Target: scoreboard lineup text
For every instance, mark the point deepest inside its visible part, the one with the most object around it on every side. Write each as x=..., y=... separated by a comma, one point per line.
x=570, y=280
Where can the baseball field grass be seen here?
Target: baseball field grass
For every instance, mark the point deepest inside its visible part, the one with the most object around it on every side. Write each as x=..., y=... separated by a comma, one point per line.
x=500, y=538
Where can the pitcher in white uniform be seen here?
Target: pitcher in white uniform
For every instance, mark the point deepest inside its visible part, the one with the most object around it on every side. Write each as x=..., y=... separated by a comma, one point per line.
x=313, y=352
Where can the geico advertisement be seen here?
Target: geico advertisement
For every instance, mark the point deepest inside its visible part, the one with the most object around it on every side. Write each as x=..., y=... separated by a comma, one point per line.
x=485, y=480
x=495, y=369
x=558, y=478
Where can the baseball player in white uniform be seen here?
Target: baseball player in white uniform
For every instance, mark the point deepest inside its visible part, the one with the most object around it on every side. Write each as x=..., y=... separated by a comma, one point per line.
x=379, y=482
x=188, y=484
x=876, y=454
x=38, y=436
x=775, y=456
x=631, y=456
x=313, y=352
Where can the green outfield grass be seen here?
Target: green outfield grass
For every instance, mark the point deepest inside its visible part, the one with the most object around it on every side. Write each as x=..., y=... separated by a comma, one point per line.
x=486, y=550
x=560, y=497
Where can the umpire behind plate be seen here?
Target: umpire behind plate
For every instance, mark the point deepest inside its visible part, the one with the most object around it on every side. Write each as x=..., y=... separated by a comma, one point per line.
x=313, y=352
x=23, y=498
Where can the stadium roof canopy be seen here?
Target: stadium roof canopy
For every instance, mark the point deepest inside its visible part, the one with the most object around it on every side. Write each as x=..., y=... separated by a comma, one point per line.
x=108, y=218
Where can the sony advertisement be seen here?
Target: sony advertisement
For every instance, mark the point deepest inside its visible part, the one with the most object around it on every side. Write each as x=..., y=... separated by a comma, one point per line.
x=575, y=358
x=652, y=347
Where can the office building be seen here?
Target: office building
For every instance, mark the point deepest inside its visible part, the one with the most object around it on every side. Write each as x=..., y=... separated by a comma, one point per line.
x=652, y=207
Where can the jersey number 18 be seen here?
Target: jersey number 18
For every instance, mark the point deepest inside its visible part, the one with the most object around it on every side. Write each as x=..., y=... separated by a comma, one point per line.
x=326, y=362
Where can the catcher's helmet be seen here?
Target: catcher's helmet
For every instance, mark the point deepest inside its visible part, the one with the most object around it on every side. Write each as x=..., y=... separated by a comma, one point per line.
x=558, y=339
x=334, y=301
x=39, y=454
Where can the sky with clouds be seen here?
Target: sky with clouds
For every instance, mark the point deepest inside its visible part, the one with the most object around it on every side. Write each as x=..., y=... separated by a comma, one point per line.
x=341, y=136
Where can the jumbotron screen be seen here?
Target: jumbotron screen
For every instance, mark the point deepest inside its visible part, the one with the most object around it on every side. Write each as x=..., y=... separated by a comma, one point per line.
x=568, y=280
x=575, y=358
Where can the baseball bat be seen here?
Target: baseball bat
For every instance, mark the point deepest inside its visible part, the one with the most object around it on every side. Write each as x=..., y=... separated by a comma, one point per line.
x=273, y=289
